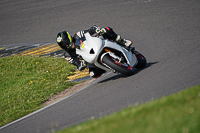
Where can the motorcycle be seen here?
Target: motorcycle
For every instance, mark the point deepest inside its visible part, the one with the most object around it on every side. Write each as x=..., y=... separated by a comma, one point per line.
x=108, y=55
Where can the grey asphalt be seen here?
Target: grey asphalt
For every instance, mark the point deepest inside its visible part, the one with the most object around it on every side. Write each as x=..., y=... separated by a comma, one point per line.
x=166, y=32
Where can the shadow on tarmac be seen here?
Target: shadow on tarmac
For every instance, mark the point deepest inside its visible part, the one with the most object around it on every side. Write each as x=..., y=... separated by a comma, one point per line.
x=124, y=76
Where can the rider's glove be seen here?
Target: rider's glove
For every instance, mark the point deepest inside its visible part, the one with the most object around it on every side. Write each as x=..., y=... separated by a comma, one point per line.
x=82, y=65
x=100, y=31
x=96, y=31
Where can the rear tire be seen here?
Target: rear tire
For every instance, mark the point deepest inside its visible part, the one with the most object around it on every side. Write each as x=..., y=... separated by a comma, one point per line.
x=141, y=60
x=119, y=68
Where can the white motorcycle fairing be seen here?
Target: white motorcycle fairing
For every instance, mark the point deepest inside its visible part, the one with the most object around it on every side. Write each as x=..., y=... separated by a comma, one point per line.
x=92, y=49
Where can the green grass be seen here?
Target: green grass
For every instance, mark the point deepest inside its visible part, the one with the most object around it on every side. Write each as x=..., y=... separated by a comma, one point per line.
x=178, y=113
x=27, y=82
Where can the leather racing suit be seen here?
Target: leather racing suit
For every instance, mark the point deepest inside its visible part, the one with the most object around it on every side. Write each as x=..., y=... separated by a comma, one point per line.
x=107, y=33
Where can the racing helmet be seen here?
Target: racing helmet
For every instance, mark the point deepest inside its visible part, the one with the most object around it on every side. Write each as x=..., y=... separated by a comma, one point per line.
x=64, y=40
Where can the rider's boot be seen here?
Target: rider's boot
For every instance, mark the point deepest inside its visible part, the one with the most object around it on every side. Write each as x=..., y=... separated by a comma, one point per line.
x=124, y=43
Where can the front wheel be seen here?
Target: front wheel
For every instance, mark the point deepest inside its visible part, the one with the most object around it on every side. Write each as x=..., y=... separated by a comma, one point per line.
x=117, y=66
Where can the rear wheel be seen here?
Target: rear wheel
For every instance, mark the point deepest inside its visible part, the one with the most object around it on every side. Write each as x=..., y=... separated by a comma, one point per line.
x=117, y=66
x=141, y=60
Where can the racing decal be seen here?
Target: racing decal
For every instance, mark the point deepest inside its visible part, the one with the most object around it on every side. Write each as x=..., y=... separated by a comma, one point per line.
x=69, y=36
x=91, y=73
x=59, y=39
x=98, y=30
x=109, y=28
x=82, y=46
x=69, y=59
x=80, y=34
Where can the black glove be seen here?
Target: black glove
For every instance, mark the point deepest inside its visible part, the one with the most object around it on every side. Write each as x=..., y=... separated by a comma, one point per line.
x=100, y=31
x=96, y=31
x=82, y=65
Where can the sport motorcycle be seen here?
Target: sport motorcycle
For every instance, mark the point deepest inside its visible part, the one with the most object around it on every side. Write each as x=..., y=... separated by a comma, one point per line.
x=108, y=55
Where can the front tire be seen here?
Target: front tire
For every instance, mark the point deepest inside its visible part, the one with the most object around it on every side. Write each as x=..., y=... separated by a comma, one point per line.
x=117, y=66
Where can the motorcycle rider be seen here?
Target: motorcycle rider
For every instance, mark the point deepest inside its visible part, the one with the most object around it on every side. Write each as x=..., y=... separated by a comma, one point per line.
x=67, y=42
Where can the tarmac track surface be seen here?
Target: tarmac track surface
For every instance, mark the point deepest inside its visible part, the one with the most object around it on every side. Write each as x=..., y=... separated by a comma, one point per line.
x=166, y=32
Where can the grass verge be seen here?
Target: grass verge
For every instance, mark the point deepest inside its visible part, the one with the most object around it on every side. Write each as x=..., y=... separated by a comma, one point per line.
x=178, y=113
x=27, y=82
